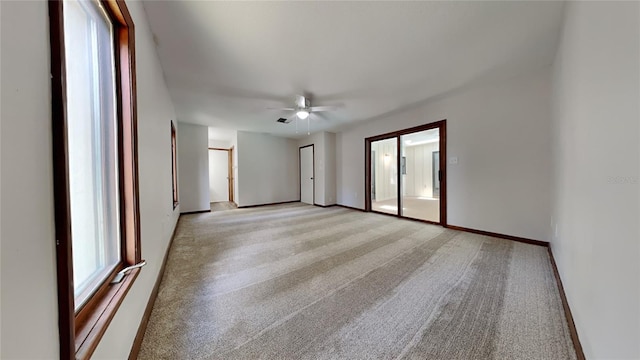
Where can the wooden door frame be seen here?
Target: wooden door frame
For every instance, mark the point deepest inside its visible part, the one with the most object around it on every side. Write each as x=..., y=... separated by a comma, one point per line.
x=231, y=177
x=229, y=170
x=442, y=126
x=313, y=172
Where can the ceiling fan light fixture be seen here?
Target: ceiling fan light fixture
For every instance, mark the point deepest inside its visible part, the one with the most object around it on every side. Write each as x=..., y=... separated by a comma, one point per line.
x=302, y=114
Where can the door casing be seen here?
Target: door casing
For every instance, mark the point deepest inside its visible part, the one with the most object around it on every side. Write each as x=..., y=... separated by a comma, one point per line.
x=442, y=127
x=313, y=181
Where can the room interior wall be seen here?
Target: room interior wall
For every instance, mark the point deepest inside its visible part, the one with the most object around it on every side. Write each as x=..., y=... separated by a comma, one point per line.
x=220, y=144
x=29, y=301
x=499, y=130
x=193, y=167
x=267, y=169
x=329, y=168
x=595, y=218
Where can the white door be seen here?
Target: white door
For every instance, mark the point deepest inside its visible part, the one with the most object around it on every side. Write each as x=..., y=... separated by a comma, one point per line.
x=218, y=173
x=306, y=174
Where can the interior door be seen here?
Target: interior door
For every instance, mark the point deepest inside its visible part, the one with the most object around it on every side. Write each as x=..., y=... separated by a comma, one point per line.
x=306, y=174
x=218, y=175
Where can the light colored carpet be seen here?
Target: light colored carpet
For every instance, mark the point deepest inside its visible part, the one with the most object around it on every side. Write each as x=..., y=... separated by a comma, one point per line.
x=301, y=282
x=223, y=206
x=412, y=207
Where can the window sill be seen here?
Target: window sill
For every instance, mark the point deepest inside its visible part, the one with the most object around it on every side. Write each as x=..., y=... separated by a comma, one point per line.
x=92, y=323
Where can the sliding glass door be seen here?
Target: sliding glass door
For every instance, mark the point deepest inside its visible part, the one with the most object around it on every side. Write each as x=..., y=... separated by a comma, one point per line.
x=384, y=176
x=420, y=175
x=404, y=177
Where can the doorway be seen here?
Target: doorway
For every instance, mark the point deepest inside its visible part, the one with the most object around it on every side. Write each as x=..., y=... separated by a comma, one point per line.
x=307, y=187
x=220, y=175
x=403, y=173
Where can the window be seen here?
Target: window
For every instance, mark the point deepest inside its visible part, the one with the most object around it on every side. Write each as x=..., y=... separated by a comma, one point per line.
x=95, y=165
x=174, y=166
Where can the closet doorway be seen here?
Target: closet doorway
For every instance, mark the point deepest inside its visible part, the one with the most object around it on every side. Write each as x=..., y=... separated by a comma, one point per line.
x=403, y=173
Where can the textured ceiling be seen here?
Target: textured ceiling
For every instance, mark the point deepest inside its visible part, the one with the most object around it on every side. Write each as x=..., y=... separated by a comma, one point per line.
x=226, y=62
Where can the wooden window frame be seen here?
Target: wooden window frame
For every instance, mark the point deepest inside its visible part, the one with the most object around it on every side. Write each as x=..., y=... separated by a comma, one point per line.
x=174, y=166
x=81, y=331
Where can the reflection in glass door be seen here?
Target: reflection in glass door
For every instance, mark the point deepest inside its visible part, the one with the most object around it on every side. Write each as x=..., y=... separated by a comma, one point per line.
x=420, y=175
x=384, y=176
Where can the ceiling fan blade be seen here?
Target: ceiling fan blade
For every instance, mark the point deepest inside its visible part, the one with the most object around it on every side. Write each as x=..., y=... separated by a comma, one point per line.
x=277, y=108
x=319, y=116
x=323, y=108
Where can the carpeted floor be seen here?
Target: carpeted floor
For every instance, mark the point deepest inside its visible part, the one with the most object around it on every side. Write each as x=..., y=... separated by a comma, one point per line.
x=223, y=206
x=296, y=281
x=412, y=207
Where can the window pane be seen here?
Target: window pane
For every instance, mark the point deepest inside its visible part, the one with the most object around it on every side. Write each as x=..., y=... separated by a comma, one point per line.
x=384, y=176
x=420, y=175
x=92, y=145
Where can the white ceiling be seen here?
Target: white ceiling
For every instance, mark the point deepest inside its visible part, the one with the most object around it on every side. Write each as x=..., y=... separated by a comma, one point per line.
x=226, y=62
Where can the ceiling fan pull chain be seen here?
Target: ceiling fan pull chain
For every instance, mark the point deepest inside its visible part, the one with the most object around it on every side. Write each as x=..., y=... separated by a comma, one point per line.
x=308, y=126
x=296, y=120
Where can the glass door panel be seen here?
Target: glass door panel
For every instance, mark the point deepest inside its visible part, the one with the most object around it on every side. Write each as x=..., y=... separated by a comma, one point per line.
x=420, y=175
x=384, y=176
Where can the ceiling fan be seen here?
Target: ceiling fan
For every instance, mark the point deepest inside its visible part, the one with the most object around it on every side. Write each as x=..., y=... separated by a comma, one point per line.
x=302, y=109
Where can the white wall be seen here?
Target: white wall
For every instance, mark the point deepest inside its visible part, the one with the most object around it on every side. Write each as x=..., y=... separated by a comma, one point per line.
x=29, y=304
x=193, y=167
x=500, y=131
x=324, y=166
x=220, y=144
x=267, y=169
x=29, y=301
x=218, y=175
x=595, y=209
x=329, y=168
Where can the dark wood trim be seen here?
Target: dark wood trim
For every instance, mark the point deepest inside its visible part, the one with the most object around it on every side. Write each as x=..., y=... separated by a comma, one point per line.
x=91, y=331
x=573, y=332
x=174, y=166
x=443, y=171
x=142, y=327
x=195, y=212
x=231, y=176
x=442, y=126
x=501, y=236
x=215, y=148
x=267, y=204
x=350, y=207
x=313, y=169
x=64, y=257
